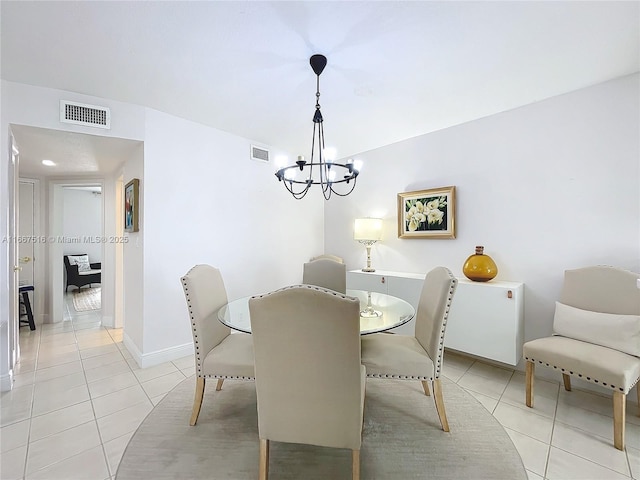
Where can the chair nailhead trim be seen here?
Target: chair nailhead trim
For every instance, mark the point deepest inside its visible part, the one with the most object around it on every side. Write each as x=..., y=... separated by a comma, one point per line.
x=399, y=377
x=599, y=382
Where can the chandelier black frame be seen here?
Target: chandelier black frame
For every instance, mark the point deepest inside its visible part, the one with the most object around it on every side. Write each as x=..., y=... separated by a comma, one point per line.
x=320, y=172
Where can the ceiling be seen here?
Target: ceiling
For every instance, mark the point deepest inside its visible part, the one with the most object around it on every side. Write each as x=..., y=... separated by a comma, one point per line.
x=395, y=69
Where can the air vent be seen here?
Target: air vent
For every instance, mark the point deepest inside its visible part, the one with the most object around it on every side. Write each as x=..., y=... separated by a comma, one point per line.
x=258, y=153
x=88, y=115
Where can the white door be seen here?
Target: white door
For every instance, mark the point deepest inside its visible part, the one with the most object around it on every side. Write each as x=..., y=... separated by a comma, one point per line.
x=14, y=307
x=26, y=229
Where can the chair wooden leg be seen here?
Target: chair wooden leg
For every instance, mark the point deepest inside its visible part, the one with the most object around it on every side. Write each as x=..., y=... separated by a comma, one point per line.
x=531, y=368
x=355, y=464
x=437, y=397
x=425, y=387
x=197, y=400
x=567, y=382
x=219, y=384
x=264, y=460
x=619, y=408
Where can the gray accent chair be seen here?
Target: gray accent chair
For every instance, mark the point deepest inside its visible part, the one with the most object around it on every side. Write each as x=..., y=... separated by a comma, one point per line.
x=593, y=303
x=309, y=379
x=218, y=354
x=326, y=273
x=417, y=357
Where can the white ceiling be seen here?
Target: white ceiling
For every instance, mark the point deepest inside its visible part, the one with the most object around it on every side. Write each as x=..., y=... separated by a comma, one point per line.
x=395, y=69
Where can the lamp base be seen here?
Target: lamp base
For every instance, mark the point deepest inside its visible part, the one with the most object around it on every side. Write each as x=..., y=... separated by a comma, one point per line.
x=368, y=269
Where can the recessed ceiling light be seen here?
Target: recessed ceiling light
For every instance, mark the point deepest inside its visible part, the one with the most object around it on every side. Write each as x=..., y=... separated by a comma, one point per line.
x=49, y=163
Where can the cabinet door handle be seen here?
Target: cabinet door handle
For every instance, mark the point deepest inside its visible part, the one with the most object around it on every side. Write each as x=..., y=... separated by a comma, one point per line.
x=382, y=280
x=509, y=294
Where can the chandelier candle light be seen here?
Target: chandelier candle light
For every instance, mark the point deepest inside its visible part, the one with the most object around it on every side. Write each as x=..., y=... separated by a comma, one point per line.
x=321, y=170
x=367, y=231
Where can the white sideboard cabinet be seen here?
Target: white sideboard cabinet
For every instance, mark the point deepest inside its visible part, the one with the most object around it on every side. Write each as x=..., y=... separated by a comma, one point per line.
x=486, y=318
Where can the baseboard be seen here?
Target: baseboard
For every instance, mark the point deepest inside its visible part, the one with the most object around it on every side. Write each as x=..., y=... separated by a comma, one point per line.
x=6, y=382
x=151, y=359
x=107, y=321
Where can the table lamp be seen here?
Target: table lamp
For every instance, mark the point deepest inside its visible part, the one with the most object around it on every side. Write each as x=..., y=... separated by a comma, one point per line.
x=367, y=231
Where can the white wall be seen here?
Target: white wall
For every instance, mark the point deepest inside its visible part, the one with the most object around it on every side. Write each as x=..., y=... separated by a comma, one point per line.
x=547, y=187
x=206, y=201
x=82, y=221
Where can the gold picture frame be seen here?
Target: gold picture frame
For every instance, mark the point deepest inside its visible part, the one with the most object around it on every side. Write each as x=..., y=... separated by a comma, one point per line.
x=427, y=213
x=132, y=205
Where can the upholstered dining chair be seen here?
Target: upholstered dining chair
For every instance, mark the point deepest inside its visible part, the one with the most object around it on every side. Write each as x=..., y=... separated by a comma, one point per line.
x=309, y=379
x=418, y=357
x=218, y=354
x=335, y=258
x=326, y=273
x=596, y=337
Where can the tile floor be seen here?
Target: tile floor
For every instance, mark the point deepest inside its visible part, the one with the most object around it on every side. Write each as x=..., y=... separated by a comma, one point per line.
x=79, y=397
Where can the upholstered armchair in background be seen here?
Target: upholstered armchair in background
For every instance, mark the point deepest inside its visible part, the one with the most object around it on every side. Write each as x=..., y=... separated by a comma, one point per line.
x=596, y=337
x=80, y=271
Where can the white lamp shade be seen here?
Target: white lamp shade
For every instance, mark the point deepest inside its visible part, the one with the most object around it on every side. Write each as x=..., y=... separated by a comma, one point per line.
x=367, y=229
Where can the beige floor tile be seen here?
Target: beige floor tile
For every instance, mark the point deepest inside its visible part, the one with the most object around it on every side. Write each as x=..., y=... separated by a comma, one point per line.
x=54, y=448
x=100, y=360
x=15, y=405
x=106, y=371
x=163, y=384
x=490, y=387
x=534, y=453
x=14, y=436
x=60, y=420
x=123, y=421
x=146, y=374
x=112, y=384
x=525, y=422
x=59, y=384
x=88, y=465
x=184, y=362
x=12, y=463
x=490, y=371
x=43, y=374
x=48, y=402
x=590, y=447
x=566, y=466
x=634, y=461
x=601, y=425
x=533, y=476
x=487, y=402
x=59, y=359
x=114, y=450
x=116, y=401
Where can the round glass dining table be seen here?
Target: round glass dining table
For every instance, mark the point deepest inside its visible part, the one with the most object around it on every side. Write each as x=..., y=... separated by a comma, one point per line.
x=378, y=312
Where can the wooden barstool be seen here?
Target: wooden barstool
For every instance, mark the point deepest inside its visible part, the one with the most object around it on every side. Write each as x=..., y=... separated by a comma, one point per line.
x=24, y=293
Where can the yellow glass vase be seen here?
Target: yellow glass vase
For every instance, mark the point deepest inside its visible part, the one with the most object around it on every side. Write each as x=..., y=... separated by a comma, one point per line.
x=480, y=267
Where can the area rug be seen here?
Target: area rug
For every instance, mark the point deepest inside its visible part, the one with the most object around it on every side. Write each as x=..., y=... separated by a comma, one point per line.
x=401, y=439
x=87, y=299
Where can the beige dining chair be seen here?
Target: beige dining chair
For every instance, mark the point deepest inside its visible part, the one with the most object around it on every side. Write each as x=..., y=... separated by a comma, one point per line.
x=218, y=354
x=326, y=273
x=328, y=256
x=596, y=337
x=418, y=357
x=309, y=379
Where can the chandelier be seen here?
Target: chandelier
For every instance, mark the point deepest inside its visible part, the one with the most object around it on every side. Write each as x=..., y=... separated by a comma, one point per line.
x=321, y=170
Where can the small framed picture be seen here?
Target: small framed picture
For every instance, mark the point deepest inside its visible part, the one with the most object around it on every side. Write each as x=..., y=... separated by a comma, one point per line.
x=131, y=205
x=427, y=213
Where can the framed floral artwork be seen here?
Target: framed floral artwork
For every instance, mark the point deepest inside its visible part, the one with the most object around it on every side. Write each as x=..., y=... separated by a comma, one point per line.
x=131, y=205
x=427, y=213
